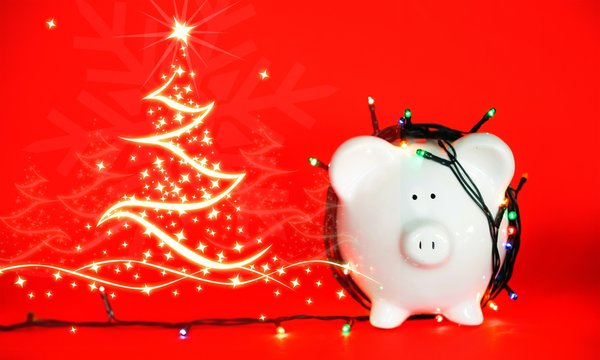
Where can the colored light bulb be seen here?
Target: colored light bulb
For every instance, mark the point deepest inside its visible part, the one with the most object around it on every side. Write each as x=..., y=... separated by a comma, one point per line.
x=280, y=330
x=493, y=306
x=511, y=230
x=512, y=215
x=313, y=161
x=491, y=112
x=183, y=333
x=508, y=246
x=407, y=114
x=402, y=121
x=371, y=100
x=421, y=152
x=346, y=329
x=439, y=318
x=513, y=295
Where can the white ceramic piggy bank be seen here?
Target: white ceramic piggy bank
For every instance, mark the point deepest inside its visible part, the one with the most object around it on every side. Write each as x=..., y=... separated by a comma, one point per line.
x=406, y=222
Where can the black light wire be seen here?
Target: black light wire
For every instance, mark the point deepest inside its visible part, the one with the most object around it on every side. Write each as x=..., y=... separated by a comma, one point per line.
x=391, y=133
x=501, y=271
x=112, y=321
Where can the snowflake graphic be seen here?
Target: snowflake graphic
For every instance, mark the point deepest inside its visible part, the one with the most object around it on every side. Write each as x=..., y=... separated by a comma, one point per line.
x=119, y=106
x=111, y=100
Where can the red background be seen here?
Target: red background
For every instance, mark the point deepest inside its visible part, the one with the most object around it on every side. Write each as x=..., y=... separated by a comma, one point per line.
x=536, y=62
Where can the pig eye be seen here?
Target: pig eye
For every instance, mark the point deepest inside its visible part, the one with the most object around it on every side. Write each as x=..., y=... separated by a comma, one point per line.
x=414, y=197
x=432, y=195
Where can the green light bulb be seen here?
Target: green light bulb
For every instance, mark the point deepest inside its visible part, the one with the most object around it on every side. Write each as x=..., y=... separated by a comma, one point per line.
x=421, y=152
x=491, y=112
x=346, y=329
x=512, y=215
x=407, y=114
x=313, y=161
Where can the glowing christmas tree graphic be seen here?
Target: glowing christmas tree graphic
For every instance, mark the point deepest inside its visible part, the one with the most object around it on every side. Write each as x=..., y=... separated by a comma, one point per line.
x=178, y=219
x=170, y=141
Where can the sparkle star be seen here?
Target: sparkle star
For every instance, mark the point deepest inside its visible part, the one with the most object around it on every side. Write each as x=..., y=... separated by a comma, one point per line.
x=100, y=165
x=180, y=236
x=159, y=187
x=235, y=281
x=201, y=247
x=238, y=247
x=179, y=71
x=20, y=281
x=158, y=162
x=340, y=294
x=295, y=282
x=206, y=139
x=213, y=214
x=51, y=23
x=263, y=74
x=180, y=31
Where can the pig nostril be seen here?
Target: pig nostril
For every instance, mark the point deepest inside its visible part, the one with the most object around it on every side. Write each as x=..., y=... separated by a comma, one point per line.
x=419, y=245
x=433, y=245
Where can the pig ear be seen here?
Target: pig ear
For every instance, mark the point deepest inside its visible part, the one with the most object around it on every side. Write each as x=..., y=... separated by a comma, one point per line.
x=354, y=159
x=490, y=164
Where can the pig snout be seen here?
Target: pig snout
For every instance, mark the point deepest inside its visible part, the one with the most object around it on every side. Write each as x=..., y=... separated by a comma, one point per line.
x=425, y=244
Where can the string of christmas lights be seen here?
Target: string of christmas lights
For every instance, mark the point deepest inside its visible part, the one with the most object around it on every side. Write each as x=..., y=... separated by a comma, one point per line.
x=404, y=129
x=184, y=327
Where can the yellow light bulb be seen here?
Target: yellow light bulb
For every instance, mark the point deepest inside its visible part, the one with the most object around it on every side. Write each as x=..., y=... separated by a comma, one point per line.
x=280, y=330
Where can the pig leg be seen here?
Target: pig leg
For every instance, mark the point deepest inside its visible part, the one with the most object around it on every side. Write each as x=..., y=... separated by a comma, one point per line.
x=386, y=315
x=466, y=313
